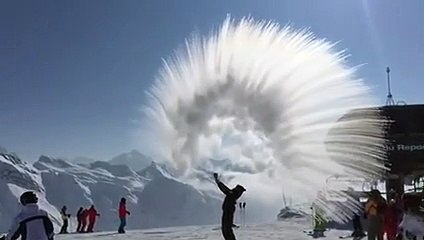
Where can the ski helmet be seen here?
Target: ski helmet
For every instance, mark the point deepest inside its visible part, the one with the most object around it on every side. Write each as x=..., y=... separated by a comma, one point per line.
x=28, y=197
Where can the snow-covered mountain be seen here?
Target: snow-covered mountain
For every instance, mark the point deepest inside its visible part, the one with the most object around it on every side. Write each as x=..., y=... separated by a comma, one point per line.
x=133, y=159
x=83, y=160
x=154, y=196
x=176, y=203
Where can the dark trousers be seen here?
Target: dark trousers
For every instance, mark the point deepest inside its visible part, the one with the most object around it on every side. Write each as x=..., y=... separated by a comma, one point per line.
x=375, y=228
x=122, y=225
x=227, y=225
x=357, y=226
x=64, y=228
x=91, y=223
x=83, y=225
x=79, y=225
x=227, y=233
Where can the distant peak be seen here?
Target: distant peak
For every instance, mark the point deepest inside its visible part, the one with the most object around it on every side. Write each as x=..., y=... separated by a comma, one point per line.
x=57, y=162
x=135, y=152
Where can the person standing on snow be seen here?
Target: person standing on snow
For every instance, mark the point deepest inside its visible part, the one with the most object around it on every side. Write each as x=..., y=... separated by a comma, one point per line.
x=123, y=212
x=356, y=219
x=319, y=218
x=392, y=215
x=374, y=210
x=92, y=216
x=79, y=219
x=31, y=223
x=65, y=217
x=84, y=216
x=228, y=207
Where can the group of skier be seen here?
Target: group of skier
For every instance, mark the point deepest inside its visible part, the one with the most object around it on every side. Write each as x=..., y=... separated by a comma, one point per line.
x=33, y=223
x=383, y=216
x=86, y=219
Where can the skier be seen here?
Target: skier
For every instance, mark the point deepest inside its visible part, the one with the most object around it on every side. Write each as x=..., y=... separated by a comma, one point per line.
x=228, y=207
x=374, y=210
x=65, y=217
x=123, y=212
x=31, y=223
x=79, y=218
x=92, y=215
x=84, y=216
x=320, y=222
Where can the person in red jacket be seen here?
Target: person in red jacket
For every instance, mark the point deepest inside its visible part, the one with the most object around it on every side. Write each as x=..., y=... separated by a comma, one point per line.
x=84, y=216
x=392, y=217
x=123, y=212
x=92, y=216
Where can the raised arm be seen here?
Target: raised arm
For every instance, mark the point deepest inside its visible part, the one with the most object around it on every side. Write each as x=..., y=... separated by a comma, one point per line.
x=224, y=189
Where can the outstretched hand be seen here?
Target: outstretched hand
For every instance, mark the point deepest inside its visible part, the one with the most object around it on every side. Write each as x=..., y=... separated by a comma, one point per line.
x=215, y=177
x=128, y=213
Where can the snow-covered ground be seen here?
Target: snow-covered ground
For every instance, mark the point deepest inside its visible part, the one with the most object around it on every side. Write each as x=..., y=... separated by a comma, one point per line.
x=278, y=230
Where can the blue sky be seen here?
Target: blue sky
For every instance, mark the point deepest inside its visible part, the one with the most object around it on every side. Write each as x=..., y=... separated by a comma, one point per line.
x=73, y=73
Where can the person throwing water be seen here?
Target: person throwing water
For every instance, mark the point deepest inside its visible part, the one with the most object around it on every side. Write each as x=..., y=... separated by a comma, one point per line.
x=228, y=207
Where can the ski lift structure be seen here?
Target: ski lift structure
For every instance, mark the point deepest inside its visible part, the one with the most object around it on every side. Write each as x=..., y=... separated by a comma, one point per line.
x=405, y=143
x=404, y=150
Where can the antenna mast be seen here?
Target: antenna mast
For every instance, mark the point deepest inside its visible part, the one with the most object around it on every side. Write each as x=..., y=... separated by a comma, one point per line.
x=389, y=100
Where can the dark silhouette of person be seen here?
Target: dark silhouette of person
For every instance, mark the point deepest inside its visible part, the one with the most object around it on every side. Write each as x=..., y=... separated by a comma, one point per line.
x=65, y=217
x=240, y=205
x=228, y=207
x=123, y=212
x=244, y=205
x=92, y=216
x=356, y=218
x=79, y=218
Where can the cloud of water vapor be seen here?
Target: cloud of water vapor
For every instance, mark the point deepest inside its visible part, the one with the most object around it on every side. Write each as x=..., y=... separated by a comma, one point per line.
x=256, y=102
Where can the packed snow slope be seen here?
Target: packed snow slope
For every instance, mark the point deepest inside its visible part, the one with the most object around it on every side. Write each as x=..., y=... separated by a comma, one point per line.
x=290, y=230
x=154, y=197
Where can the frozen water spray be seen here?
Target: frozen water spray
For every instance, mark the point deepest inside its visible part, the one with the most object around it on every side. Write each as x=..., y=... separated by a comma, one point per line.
x=257, y=102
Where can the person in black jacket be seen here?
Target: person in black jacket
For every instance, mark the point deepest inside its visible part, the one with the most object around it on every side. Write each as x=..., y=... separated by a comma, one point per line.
x=65, y=218
x=228, y=207
x=80, y=219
